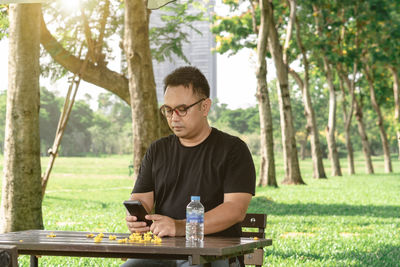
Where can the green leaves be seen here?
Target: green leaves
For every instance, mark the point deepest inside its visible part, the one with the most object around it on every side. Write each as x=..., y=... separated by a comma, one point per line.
x=3, y=21
x=168, y=38
x=234, y=32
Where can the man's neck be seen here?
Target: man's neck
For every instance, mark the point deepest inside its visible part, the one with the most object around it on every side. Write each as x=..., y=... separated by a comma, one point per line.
x=189, y=142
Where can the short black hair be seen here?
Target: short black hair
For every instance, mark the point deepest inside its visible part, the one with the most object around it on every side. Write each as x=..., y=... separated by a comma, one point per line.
x=187, y=76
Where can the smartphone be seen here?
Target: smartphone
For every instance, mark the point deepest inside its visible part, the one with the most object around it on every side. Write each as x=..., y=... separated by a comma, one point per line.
x=135, y=208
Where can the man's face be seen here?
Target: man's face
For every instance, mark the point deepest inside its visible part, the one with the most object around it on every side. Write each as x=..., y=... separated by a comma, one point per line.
x=189, y=125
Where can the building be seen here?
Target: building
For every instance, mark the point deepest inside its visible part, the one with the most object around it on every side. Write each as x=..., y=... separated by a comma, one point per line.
x=198, y=52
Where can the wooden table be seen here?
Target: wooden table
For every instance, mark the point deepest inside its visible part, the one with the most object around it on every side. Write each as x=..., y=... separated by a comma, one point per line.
x=69, y=243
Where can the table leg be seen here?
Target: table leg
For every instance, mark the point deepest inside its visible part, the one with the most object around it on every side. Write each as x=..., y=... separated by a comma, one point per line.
x=34, y=261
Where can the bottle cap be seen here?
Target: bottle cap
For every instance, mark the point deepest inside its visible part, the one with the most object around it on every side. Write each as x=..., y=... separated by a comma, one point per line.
x=195, y=198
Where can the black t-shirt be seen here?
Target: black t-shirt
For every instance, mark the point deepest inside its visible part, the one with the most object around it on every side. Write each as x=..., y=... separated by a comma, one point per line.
x=220, y=164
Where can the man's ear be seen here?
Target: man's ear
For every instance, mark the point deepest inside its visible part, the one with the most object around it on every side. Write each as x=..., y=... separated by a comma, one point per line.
x=206, y=106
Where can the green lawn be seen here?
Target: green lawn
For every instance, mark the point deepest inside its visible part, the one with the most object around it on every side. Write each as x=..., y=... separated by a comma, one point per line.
x=339, y=221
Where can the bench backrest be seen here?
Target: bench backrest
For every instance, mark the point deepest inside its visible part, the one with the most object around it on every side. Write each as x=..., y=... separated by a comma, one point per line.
x=258, y=221
x=8, y=256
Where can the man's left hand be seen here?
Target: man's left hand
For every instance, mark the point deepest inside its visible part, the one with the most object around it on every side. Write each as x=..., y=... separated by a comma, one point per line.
x=166, y=226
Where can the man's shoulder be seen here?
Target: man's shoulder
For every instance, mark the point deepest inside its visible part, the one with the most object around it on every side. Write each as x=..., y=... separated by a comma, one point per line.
x=226, y=137
x=163, y=141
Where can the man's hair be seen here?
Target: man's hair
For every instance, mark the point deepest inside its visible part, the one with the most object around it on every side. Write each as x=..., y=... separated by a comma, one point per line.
x=187, y=76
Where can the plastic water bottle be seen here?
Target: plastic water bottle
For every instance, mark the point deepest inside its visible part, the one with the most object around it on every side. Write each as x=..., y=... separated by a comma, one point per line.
x=194, y=220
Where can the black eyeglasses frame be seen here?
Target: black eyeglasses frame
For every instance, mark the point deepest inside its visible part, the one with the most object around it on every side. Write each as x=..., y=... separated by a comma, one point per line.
x=180, y=113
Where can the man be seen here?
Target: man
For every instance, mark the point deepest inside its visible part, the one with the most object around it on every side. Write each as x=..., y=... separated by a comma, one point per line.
x=195, y=160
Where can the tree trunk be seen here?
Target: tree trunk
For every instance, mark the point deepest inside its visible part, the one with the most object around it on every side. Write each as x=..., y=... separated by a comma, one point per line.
x=21, y=205
x=331, y=127
x=369, y=168
x=360, y=122
x=292, y=168
x=347, y=122
x=145, y=116
x=267, y=167
x=316, y=154
x=311, y=127
x=382, y=132
x=303, y=144
x=396, y=93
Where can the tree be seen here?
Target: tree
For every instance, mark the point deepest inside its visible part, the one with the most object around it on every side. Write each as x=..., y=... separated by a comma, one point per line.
x=112, y=118
x=48, y=118
x=383, y=48
x=267, y=168
x=386, y=153
x=379, y=52
x=363, y=134
x=331, y=127
x=77, y=139
x=344, y=62
x=237, y=32
x=396, y=93
x=21, y=205
x=311, y=127
x=139, y=89
x=141, y=79
x=280, y=57
x=347, y=61
x=3, y=106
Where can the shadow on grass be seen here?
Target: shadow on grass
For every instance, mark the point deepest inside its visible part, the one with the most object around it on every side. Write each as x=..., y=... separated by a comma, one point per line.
x=265, y=205
x=384, y=255
x=94, y=204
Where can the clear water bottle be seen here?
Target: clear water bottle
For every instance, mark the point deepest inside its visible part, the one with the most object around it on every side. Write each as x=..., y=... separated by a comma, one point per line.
x=194, y=220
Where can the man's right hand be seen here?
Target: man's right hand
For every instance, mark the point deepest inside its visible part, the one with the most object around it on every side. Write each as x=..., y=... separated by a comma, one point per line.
x=135, y=226
x=147, y=200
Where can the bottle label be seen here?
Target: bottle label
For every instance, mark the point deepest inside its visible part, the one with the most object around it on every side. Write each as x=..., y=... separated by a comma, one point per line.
x=194, y=218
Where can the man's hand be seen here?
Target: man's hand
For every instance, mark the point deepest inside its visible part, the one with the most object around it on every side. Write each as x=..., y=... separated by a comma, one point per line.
x=147, y=200
x=166, y=226
x=134, y=226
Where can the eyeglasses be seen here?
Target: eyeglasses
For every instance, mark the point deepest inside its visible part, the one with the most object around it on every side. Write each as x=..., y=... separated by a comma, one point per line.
x=180, y=110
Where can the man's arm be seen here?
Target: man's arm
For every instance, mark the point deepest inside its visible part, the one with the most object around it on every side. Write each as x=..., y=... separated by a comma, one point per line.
x=147, y=200
x=231, y=211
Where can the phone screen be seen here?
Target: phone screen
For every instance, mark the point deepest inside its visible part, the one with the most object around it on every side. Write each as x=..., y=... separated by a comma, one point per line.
x=135, y=208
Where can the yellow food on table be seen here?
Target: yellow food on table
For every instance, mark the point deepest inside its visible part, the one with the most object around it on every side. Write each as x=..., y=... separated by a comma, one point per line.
x=51, y=235
x=99, y=238
x=140, y=238
x=157, y=240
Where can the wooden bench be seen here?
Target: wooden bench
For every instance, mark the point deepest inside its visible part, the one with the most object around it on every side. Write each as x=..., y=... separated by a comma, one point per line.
x=8, y=256
x=259, y=221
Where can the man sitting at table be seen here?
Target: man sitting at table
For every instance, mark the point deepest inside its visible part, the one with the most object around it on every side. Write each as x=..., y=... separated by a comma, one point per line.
x=196, y=160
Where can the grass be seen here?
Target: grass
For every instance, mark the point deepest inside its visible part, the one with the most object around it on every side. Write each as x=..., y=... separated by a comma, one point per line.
x=339, y=221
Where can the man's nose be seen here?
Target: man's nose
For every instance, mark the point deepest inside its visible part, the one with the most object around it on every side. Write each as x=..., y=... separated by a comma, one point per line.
x=176, y=113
